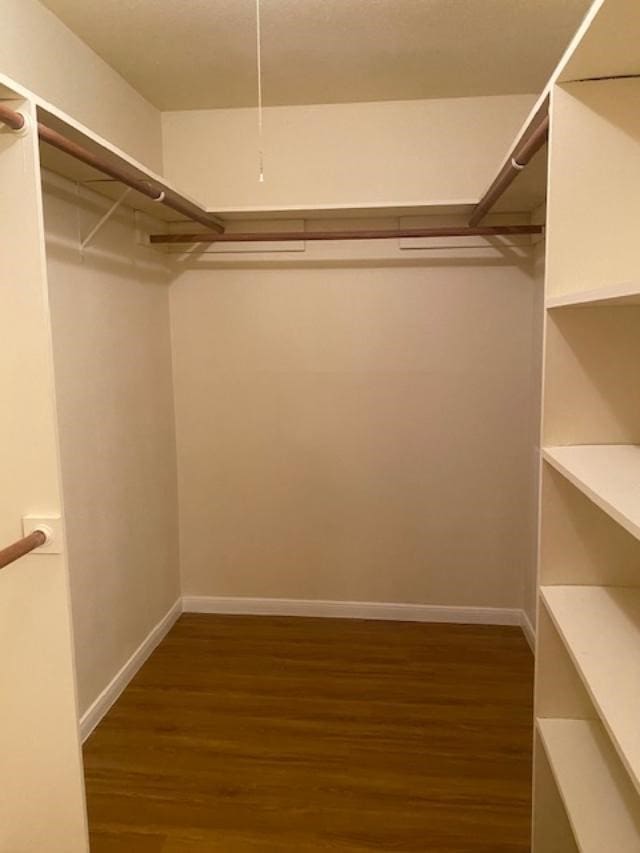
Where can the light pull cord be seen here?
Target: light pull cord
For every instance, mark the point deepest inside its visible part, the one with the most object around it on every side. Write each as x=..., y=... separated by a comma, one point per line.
x=259, y=67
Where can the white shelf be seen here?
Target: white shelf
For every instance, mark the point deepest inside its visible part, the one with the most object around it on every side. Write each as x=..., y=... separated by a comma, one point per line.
x=608, y=474
x=75, y=170
x=529, y=189
x=600, y=627
x=601, y=804
x=62, y=164
x=608, y=44
x=627, y=293
x=461, y=207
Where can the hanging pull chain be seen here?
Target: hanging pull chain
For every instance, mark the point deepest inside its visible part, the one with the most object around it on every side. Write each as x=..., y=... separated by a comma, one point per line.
x=259, y=67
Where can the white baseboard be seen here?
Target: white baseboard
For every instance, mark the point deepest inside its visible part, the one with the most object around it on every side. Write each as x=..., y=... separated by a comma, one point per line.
x=352, y=610
x=112, y=691
x=294, y=607
x=528, y=630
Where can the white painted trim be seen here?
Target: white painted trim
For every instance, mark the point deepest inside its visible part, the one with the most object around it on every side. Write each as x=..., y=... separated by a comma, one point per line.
x=294, y=607
x=97, y=710
x=528, y=630
x=352, y=610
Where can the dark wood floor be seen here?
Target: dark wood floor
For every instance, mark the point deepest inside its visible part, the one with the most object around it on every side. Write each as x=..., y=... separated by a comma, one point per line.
x=278, y=734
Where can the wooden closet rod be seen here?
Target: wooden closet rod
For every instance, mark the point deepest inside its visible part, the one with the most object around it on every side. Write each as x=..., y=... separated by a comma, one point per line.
x=521, y=156
x=11, y=118
x=16, y=121
x=23, y=546
x=379, y=234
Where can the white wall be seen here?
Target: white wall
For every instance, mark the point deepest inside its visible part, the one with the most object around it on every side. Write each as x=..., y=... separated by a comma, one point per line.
x=38, y=51
x=355, y=422
x=356, y=429
x=399, y=152
x=110, y=317
x=305, y=391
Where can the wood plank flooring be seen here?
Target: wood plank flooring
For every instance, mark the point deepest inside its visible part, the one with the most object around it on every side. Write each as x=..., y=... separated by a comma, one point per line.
x=278, y=734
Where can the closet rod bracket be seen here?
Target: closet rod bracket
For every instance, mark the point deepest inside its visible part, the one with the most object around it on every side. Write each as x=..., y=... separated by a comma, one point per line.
x=26, y=126
x=18, y=123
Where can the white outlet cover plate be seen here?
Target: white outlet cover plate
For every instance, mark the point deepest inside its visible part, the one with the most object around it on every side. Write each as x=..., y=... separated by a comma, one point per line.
x=54, y=523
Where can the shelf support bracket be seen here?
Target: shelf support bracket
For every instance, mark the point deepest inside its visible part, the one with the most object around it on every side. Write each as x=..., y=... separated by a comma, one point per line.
x=103, y=221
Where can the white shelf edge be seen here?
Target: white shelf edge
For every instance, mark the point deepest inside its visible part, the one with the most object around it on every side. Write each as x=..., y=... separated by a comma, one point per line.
x=63, y=120
x=598, y=666
x=41, y=104
x=390, y=209
x=589, y=486
x=601, y=30
x=626, y=293
x=599, y=800
x=539, y=108
x=540, y=105
x=66, y=124
x=556, y=77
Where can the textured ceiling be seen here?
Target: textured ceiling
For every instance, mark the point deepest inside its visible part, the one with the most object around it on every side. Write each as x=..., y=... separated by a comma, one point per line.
x=196, y=54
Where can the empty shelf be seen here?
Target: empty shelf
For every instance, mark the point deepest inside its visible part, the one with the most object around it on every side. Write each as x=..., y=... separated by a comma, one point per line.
x=608, y=474
x=627, y=293
x=600, y=627
x=599, y=800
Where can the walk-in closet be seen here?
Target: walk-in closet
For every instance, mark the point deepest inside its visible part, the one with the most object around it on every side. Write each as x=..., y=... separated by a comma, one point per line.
x=319, y=426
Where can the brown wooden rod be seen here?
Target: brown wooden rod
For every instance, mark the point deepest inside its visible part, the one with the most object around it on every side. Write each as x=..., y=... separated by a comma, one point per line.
x=11, y=118
x=379, y=234
x=509, y=172
x=190, y=211
x=23, y=546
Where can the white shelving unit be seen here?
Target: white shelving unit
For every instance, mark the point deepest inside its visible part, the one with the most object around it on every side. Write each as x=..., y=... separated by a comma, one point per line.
x=608, y=474
x=587, y=745
x=607, y=657
x=626, y=293
x=599, y=801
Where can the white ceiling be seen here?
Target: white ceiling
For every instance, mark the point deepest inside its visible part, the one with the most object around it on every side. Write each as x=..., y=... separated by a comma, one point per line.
x=196, y=54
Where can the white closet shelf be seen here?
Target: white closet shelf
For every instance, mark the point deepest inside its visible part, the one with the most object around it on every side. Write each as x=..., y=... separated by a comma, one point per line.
x=524, y=196
x=599, y=800
x=627, y=293
x=600, y=627
x=69, y=167
x=75, y=170
x=608, y=474
x=348, y=211
x=607, y=44
x=606, y=23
